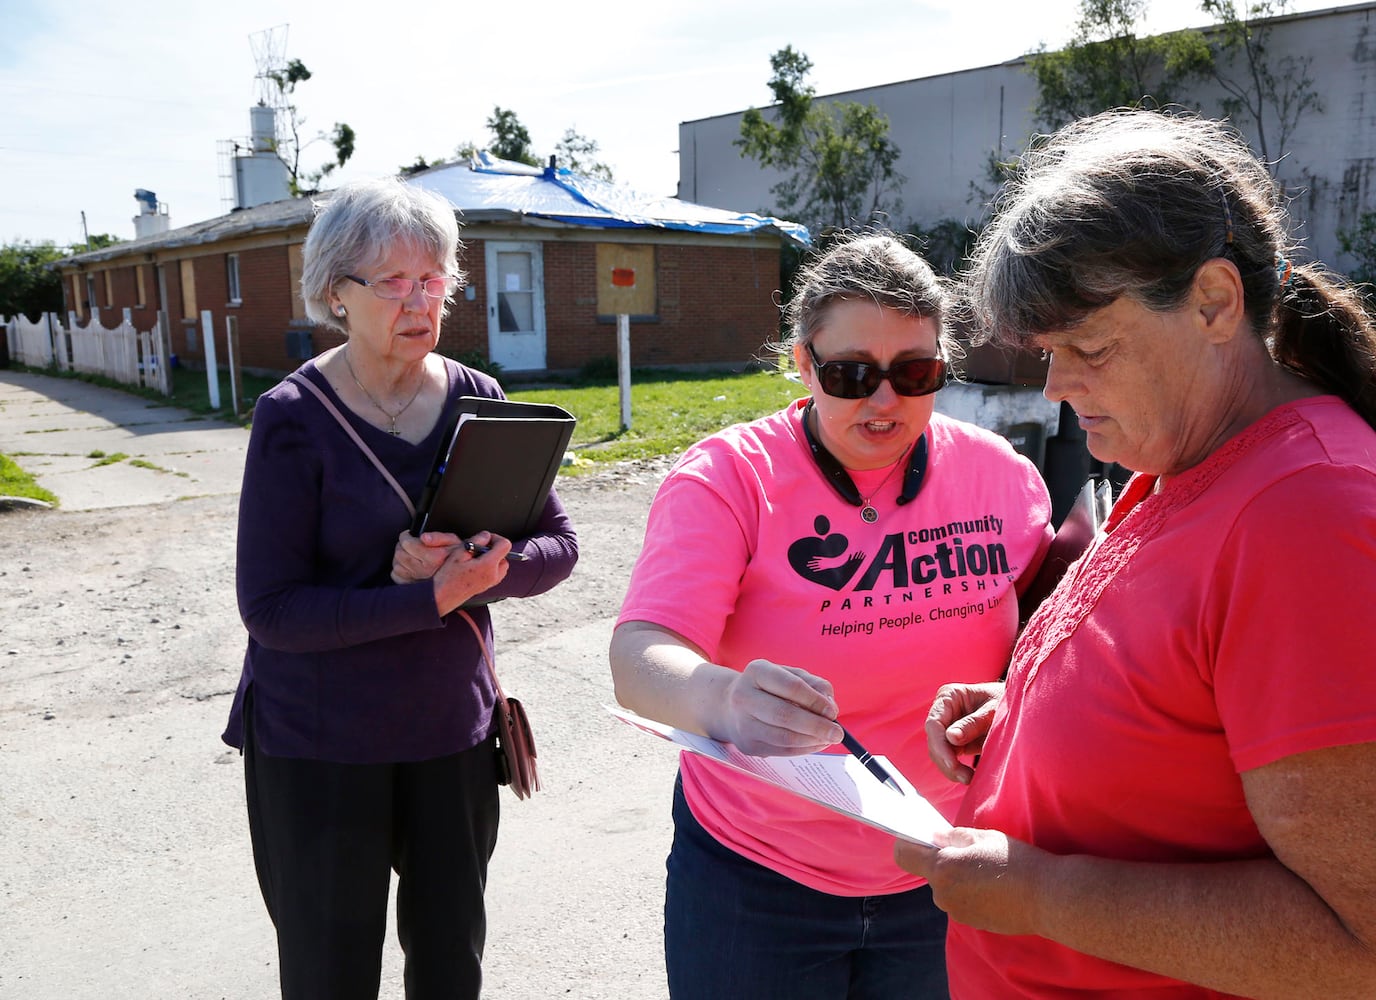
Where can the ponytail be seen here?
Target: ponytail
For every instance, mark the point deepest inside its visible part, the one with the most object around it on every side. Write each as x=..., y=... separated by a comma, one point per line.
x=1324, y=333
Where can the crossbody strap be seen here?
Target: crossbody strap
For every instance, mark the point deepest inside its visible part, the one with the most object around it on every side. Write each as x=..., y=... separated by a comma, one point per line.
x=487, y=655
x=410, y=507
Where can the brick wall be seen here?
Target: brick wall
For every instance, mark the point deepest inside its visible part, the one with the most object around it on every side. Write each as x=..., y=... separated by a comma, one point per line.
x=714, y=305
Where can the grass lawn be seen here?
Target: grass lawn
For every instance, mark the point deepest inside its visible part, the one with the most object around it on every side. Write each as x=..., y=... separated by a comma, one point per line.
x=669, y=410
x=15, y=482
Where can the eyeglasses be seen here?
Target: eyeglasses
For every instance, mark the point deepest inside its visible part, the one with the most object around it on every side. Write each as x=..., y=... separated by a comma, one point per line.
x=401, y=288
x=857, y=380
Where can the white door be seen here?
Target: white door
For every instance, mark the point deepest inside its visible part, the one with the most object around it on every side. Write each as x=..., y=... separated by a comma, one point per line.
x=516, y=306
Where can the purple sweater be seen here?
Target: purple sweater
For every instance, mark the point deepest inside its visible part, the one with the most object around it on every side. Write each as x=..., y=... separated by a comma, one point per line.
x=343, y=664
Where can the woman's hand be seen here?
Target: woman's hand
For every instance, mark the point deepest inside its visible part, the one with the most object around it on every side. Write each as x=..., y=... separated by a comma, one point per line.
x=774, y=711
x=457, y=573
x=418, y=558
x=982, y=878
x=957, y=724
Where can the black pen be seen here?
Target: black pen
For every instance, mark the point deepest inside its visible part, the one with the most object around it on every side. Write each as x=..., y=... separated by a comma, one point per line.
x=482, y=550
x=865, y=757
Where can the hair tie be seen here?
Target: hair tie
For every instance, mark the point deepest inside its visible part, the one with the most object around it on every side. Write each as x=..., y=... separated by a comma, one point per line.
x=1227, y=219
x=1285, y=270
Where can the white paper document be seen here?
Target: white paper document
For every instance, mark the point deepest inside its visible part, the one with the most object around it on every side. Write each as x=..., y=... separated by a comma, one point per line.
x=837, y=781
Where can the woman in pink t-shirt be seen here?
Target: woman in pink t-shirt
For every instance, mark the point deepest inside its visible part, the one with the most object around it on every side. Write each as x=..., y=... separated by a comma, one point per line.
x=1176, y=789
x=826, y=565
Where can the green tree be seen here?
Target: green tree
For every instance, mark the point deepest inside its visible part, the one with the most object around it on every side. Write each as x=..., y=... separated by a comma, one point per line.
x=579, y=154
x=415, y=168
x=1273, y=95
x=1359, y=242
x=837, y=157
x=97, y=241
x=29, y=284
x=946, y=244
x=341, y=138
x=1107, y=65
x=510, y=139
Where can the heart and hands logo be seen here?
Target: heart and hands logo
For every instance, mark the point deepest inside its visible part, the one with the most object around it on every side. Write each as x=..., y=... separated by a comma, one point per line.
x=823, y=558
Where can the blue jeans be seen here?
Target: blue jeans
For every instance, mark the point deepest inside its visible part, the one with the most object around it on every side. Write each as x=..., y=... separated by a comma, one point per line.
x=736, y=930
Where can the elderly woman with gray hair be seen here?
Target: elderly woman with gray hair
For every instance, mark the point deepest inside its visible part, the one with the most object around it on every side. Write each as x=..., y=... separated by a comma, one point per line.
x=1175, y=793
x=365, y=710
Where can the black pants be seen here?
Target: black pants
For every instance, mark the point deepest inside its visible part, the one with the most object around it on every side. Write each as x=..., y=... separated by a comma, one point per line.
x=326, y=838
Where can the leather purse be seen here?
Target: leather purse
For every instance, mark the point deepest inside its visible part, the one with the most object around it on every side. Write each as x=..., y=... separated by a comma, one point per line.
x=515, y=741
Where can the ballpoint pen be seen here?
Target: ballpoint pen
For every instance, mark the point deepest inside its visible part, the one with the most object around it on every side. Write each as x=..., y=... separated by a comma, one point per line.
x=482, y=550
x=865, y=757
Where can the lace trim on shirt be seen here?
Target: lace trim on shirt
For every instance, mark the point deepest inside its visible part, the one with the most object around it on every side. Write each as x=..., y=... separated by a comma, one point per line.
x=1136, y=518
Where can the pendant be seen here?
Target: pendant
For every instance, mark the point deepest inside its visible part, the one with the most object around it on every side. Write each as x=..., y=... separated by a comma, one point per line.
x=868, y=514
x=394, y=432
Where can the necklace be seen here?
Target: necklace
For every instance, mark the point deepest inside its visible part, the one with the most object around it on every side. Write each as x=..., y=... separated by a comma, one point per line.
x=393, y=417
x=840, y=480
x=867, y=512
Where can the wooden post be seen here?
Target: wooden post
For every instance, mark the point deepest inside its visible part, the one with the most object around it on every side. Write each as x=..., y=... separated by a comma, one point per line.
x=129, y=349
x=55, y=332
x=212, y=369
x=163, y=333
x=623, y=366
x=236, y=385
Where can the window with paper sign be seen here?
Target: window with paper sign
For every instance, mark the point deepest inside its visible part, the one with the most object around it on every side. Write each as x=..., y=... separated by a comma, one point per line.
x=515, y=310
x=516, y=306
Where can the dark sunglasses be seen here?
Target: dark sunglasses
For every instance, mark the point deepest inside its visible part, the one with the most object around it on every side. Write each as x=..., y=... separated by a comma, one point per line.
x=856, y=379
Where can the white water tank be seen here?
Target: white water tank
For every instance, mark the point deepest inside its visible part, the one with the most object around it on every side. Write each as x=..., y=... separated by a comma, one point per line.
x=260, y=176
x=262, y=128
x=152, y=218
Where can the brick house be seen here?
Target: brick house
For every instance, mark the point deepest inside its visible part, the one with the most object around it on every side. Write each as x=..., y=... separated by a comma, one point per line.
x=540, y=250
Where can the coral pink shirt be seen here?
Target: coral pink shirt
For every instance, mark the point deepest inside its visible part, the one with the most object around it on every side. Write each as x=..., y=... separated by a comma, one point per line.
x=749, y=553
x=1221, y=625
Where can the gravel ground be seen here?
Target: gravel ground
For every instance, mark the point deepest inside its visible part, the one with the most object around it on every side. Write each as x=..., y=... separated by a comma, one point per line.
x=126, y=870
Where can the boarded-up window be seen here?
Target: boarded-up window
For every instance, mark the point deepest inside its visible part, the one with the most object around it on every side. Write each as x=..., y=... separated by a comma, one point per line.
x=298, y=306
x=188, y=273
x=140, y=289
x=626, y=279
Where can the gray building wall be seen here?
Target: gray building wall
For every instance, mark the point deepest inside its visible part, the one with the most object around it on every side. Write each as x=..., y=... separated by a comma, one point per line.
x=946, y=127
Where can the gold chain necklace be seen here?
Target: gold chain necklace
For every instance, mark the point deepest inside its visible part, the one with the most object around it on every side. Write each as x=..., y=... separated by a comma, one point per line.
x=385, y=412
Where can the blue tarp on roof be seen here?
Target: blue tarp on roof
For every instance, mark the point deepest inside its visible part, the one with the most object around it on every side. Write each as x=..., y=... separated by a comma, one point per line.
x=487, y=186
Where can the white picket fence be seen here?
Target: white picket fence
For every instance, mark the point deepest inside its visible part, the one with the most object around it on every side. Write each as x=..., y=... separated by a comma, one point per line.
x=31, y=343
x=121, y=353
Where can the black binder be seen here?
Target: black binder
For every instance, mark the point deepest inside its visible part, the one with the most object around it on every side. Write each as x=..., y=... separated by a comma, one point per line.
x=494, y=470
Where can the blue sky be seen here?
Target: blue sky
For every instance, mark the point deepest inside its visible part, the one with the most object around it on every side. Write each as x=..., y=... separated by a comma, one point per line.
x=99, y=99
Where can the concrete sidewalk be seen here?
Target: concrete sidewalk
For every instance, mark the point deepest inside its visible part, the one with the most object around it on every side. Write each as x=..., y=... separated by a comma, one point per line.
x=52, y=427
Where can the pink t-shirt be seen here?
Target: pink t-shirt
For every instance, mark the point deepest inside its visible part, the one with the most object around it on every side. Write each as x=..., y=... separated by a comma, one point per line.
x=1221, y=625
x=749, y=553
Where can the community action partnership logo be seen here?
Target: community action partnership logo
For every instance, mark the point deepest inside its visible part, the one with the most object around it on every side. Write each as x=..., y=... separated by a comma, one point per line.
x=924, y=564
